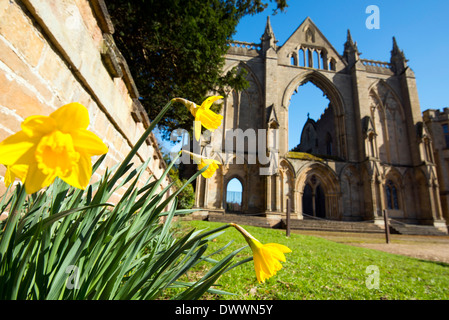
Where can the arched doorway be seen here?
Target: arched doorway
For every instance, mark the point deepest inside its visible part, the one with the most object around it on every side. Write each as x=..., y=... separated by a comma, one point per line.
x=314, y=201
x=234, y=196
x=307, y=201
x=320, y=203
x=319, y=191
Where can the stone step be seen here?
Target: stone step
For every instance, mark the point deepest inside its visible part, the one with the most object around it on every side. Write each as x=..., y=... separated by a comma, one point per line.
x=256, y=221
x=410, y=229
x=318, y=225
x=329, y=225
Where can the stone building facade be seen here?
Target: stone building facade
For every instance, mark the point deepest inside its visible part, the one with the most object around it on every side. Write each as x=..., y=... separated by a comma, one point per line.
x=56, y=52
x=438, y=124
x=374, y=151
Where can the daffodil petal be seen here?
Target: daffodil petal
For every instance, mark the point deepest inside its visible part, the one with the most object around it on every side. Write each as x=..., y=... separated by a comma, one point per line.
x=71, y=117
x=15, y=147
x=213, y=166
x=37, y=180
x=197, y=129
x=15, y=171
x=80, y=175
x=209, y=119
x=275, y=253
x=208, y=174
x=9, y=177
x=260, y=274
x=209, y=101
x=264, y=263
x=279, y=247
x=88, y=142
x=38, y=126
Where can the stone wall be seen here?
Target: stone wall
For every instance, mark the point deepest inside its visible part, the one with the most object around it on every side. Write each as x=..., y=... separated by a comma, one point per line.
x=435, y=121
x=56, y=52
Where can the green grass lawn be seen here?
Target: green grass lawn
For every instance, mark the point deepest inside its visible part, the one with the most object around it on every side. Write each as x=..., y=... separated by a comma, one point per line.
x=320, y=269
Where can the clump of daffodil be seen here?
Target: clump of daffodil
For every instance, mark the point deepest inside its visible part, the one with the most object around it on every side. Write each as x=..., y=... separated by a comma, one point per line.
x=266, y=257
x=52, y=146
x=203, y=162
x=203, y=115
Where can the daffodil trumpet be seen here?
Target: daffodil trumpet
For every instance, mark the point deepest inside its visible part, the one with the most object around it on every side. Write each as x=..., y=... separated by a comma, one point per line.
x=202, y=162
x=203, y=115
x=266, y=257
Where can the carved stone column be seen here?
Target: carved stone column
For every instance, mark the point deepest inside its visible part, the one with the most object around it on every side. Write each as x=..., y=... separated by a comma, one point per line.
x=198, y=192
x=278, y=192
x=268, y=193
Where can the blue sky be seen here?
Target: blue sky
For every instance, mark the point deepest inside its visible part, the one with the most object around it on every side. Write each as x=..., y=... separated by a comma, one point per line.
x=421, y=29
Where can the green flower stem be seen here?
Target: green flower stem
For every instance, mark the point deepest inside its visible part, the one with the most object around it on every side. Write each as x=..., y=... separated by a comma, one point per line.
x=12, y=220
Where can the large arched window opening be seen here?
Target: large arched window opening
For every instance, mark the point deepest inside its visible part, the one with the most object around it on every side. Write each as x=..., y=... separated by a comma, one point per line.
x=234, y=196
x=310, y=106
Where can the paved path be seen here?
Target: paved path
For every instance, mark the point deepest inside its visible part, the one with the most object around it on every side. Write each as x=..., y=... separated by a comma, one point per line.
x=434, y=248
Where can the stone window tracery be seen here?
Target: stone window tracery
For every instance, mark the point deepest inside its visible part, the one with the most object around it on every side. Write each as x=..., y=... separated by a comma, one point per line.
x=392, y=195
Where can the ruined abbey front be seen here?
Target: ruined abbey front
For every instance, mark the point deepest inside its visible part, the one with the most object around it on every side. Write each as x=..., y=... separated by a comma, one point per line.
x=368, y=154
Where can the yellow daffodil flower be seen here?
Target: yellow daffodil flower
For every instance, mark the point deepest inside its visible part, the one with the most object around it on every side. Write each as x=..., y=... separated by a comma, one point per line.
x=55, y=146
x=266, y=256
x=15, y=171
x=203, y=162
x=213, y=166
x=203, y=115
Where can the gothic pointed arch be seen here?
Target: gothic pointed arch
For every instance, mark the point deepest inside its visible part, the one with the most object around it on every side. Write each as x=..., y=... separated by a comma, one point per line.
x=390, y=124
x=393, y=173
x=287, y=176
x=322, y=82
x=228, y=203
x=251, y=74
x=325, y=187
x=393, y=195
x=387, y=96
x=287, y=165
x=336, y=103
x=244, y=109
